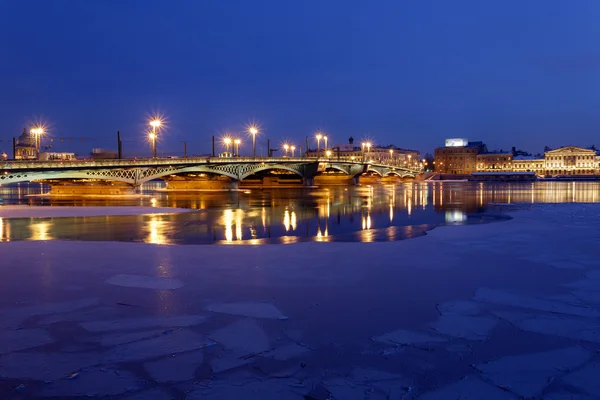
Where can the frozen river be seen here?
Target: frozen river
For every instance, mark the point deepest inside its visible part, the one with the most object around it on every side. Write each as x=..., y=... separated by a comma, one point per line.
x=340, y=214
x=502, y=310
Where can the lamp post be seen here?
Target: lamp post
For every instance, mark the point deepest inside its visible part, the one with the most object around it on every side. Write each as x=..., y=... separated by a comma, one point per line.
x=293, y=148
x=286, y=147
x=328, y=153
x=227, y=142
x=391, y=156
x=237, y=146
x=37, y=132
x=155, y=124
x=152, y=138
x=253, y=130
x=325, y=138
x=318, y=136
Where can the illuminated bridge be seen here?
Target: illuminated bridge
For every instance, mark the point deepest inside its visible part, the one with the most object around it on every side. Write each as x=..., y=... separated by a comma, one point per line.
x=134, y=172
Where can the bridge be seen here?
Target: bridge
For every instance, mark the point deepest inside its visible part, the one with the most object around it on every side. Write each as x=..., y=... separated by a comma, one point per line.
x=135, y=172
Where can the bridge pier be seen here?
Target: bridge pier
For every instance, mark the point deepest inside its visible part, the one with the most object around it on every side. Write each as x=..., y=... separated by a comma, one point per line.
x=309, y=181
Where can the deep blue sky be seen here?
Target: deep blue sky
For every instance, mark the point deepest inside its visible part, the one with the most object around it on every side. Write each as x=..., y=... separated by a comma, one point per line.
x=412, y=73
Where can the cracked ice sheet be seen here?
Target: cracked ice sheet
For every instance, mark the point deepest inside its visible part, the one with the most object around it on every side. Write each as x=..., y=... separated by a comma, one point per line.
x=511, y=299
x=243, y=337
x=404, y=337
x=22, y=339
x=460, y=307
x=286, y=352
x=273, y=389
x=150, y=394
x=528, y=374
x=587, y=329
x=568, y=396
x=11, y=318
x=145, y=282
x=180, y=321
x=44, y=366
x=469, y=388
x=465, y=327
x=586, y=379
x=178, y=368
x=122, y=338
x=173, y=342
x=94, y=382
x=248, y=309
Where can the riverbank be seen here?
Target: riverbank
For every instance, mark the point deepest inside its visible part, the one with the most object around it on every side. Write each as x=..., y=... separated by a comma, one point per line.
x=494, y=311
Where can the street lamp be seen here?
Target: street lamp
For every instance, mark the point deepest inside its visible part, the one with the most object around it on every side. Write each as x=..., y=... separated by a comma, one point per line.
x=152, y=138
x=227, y=142
x=253, y=130
x=293, y=148
x=286, y=147
x=319, y=136
x=155, y=124
x=391, y=156
x=328, y=153
x=37, y=132
x=237, y=146
x=325, y=138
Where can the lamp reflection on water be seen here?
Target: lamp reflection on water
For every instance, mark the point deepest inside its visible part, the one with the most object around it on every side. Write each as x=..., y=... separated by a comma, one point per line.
x=455, y=217
x=4, y=231
x=156, y=229
x=39, y=231
x=228, y=220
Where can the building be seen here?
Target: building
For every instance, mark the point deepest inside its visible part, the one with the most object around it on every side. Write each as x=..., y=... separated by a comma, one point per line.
x=528, y=164
x=462, y=157
x=53, y=156
x=494, y=161
x=391, y=154
x=25, y=147
x=459, y=156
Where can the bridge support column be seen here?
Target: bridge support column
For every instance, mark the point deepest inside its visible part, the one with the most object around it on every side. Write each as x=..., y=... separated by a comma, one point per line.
x=309, y=181
x=356, y=179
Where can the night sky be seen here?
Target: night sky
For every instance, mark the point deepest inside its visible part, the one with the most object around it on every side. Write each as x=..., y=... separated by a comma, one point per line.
x=411, y=73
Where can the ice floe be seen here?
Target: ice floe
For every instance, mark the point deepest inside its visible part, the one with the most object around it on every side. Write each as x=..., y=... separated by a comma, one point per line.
x=143, y=323
x=45, y=366
x=150, y=394
x=459, y=307
x=11, y=318
x=22, y=339
x=286, y=352
x=405, y=337
x=242, y=337
x=587, y=379
x=465, y=327
x=177, y=368
x=145, y=282
x=122, y=338
x=587, y=329
x=248, y=309
x=528, y=374
x=94, y=382
x=516, y=300
x=177, y=341
x=469, y=388
x=276, y=389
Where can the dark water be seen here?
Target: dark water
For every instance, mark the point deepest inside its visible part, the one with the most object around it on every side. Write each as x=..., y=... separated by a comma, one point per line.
x=357, y=213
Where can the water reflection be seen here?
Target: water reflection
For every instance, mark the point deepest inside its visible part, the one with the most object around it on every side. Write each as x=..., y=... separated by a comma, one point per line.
x=363, y=213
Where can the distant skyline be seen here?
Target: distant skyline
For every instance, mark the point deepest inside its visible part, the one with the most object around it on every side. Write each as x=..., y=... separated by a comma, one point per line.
x=410, y=73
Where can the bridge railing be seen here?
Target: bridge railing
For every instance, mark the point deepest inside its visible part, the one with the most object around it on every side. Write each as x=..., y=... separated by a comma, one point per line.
x=11, y=165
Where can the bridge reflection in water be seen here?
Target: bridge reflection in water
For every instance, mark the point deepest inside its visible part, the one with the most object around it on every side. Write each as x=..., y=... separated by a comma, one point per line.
x=363, y=213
